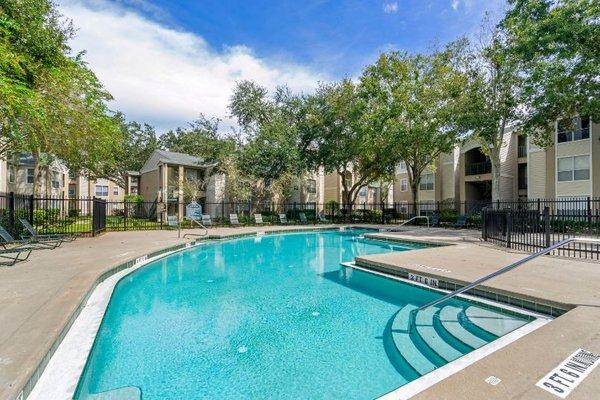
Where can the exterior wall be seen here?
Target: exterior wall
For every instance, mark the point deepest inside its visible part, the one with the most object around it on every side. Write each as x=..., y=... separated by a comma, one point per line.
x=115, y=192
x=3, y=175
x=595, y=162
x=21, y=186
x=149, y=185
x=569, y=149
x=537, y=185
x=332, y=189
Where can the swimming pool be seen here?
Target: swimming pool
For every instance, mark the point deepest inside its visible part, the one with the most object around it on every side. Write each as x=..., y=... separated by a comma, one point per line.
x=275, y=316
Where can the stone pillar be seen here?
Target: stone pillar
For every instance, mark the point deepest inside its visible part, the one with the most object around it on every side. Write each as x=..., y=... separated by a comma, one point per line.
x=180, y=191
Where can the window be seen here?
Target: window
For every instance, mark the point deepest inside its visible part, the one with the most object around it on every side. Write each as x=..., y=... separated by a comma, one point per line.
x=426, y=182
x=402, y=167
x=403, y=207
x=11, y=174
x=573, y=168
x=101, y=190
x=29, y=175
x=403, y=185
x=116, y=190
x=55, y=181
x=363, y=192
x=575, y=129
x=192, y=175
x=311, y=186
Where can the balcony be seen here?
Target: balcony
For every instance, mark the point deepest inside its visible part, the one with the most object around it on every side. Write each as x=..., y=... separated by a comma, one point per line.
x=479, y=168
x=522, y=151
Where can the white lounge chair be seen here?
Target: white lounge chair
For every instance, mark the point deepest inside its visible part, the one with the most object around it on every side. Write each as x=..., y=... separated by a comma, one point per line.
x=258, y=219
x=283, y=218
x=233, y=219
x=303, y=218
x=206, y=220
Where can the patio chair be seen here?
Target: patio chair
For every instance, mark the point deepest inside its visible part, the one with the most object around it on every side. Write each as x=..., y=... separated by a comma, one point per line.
x=323, y=219
x=40, y=243
x=434, y=220
x=206, y=220
x=461, y=221
x=283, y=219
x=258, y=219
x=33, y=233
x=233, y=219
x=13, y=255
x=303, y=218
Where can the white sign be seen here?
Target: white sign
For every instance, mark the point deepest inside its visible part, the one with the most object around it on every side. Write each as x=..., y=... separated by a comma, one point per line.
x=193, y=211
x=141, y=259
x=571, y=372
x=423, y=279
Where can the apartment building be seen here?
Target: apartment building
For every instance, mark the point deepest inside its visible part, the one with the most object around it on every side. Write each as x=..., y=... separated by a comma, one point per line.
x=570, y=167
x=20, y=176
x=309, y=189
x=373, y=193
x=565, y=169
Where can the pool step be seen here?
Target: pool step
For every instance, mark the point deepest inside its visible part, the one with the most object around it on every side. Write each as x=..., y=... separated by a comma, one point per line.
x=450, y=319
x=493, y=322
x=424, y=323
x=436, y=336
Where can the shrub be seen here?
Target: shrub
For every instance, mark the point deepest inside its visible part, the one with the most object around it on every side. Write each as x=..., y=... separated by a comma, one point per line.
x=45, y=216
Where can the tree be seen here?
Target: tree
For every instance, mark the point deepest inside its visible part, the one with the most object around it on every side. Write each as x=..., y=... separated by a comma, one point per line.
x=493, y=93
x=55, y=105
x=557, y=46
x=270, y=155
x=412, y=107
x=336, y=135
x=201, y=139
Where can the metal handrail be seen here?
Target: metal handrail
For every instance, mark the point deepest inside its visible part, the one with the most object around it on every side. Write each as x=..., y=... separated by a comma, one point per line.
x=508, y=268
x=406, y=222
x=200, y=225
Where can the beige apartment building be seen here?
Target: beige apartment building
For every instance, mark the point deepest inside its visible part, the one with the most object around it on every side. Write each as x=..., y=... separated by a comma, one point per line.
x=566, y=169
x=369, y=196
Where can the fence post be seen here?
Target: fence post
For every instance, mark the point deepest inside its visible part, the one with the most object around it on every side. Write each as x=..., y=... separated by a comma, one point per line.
x=589, y=212
x=125, y=214
x=382, y=213
x=509, y=221
x=484, y=224
x=546, y=217
x=31, y=200
x=223, y=211
x=11, y=211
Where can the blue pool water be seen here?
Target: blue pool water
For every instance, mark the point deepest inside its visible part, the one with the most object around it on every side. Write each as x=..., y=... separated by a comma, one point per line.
x=274, y=316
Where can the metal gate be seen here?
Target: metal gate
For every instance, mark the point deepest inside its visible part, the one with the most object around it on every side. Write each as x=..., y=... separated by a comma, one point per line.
x=98, y=216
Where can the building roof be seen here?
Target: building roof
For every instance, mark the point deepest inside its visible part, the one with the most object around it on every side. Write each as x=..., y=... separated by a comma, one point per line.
x=171, y=157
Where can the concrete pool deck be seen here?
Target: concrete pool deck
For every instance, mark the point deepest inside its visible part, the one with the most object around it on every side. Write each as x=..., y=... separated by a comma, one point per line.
x=40, y=296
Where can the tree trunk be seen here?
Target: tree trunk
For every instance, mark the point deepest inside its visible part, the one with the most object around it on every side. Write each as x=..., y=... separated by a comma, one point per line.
x=495, y=159
x=37, y=184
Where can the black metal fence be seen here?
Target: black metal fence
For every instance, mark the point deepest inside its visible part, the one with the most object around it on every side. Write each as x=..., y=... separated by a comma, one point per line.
x=534, y=225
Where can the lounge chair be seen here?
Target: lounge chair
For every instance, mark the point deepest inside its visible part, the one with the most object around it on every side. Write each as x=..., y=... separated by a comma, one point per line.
x=33, y=233
x=303, y=218
x=233, y=219
x=434, y=220
x=461, y=221
x=258, y=219
x=206, y=220
x=13, y=255
x=323, y=219
x=40, y=243
x=283, y=219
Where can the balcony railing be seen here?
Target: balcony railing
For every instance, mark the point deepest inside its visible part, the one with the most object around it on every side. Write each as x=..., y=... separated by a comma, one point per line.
x=479, y=168
x=522, y=151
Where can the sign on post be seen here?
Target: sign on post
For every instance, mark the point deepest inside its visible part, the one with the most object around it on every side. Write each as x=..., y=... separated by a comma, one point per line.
x=193, y=211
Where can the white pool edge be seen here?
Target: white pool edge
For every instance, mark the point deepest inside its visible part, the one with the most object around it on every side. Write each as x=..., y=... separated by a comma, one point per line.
x=61, y=375
x=426, y=381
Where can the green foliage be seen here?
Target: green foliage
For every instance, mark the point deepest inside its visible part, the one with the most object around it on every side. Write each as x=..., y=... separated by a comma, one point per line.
x=411, y=107
x=45, y=216
x=556, y=43
x=133, y=198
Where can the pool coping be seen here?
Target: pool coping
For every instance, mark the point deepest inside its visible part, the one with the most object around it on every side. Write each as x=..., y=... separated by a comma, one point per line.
x=424, y=382
x=25, y=391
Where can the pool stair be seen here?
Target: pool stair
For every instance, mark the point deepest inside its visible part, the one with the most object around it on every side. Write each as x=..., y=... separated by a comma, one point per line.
x=122, y=393
x=428, y=339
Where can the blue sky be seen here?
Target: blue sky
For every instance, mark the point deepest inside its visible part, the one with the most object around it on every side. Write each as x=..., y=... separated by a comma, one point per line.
x=167, y=61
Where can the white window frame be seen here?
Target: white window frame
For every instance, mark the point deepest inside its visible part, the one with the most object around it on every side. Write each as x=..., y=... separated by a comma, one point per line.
x=572, y=132
x=424, y=186
x=403, y=184
x=572, y=170
x=402, y=167
x=12, y=173
x=103, y=193
x=115, y=190
x=32, y=175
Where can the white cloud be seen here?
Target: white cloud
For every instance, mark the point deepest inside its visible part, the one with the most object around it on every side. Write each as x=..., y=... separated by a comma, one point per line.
x=164, y=76
x=455, y=4
x=390, y=8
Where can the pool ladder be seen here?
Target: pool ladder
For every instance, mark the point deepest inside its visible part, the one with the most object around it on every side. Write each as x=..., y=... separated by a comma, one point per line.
x=398, y=228
x=497, y=273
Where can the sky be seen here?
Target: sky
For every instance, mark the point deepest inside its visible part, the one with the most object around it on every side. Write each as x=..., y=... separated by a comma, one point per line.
x=167, y=61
